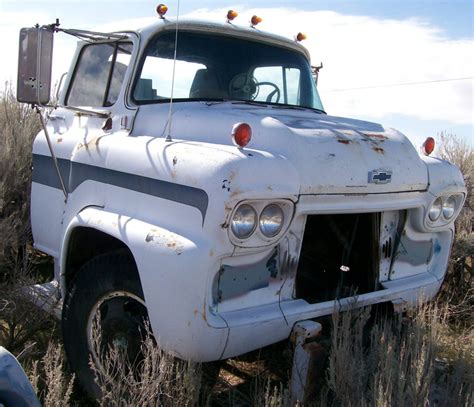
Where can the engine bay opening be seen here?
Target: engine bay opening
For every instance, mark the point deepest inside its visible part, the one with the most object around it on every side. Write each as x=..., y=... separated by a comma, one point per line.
x=339, y=257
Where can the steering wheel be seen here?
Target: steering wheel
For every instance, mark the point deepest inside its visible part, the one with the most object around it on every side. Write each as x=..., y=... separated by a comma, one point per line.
x=244, y=86
x=275, y=91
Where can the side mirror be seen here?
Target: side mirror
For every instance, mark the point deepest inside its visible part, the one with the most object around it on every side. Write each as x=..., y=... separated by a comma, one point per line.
x=34, y=65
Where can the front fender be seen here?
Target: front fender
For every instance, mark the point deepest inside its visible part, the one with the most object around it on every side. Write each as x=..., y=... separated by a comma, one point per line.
x=174, y=273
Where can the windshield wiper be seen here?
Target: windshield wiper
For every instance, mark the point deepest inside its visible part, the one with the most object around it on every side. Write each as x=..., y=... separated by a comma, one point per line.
x=293, y=107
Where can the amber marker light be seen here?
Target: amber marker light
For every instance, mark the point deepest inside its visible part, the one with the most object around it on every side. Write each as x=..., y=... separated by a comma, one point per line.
x=241, y=134
x=161, y=9
x=255, y=20
x=429, y=145
x=301, y=37
x=231, y=14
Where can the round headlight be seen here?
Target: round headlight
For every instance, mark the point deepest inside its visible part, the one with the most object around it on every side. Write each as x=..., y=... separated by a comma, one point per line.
x=435, y=210
x=449, y=207
x=271, y=220
x=244, y=221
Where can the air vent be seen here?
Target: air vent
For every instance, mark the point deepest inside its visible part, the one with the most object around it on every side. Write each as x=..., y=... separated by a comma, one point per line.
x=387, y=249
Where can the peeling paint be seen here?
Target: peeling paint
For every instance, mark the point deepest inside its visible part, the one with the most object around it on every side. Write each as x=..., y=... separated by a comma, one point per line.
x=169, y=240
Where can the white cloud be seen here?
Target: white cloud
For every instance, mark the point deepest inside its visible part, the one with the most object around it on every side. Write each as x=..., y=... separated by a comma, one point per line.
x=362, y=51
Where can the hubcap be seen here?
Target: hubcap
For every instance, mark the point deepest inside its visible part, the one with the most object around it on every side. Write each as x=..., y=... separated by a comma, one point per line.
x=121, y=318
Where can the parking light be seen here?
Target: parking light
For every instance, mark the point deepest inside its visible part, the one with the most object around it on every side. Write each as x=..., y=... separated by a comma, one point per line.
x=301, y=37
x=241, y=134
x=161, y=9
x=428, y=145
x=231, y=15
x=255, y=20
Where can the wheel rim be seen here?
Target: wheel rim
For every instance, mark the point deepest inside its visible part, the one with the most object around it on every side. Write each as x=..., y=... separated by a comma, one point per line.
x=122, y=317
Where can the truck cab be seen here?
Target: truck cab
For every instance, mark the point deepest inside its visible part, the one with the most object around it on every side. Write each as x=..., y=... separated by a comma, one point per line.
x=207, y=190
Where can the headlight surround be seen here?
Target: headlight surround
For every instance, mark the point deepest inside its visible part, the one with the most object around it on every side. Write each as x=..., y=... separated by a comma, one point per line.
x=444, y=210
x=244, y=221
x=435, y=210
x=449, y=207
x=271, y=220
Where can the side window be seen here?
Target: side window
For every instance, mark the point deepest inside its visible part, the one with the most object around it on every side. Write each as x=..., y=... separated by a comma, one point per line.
x=99, y=74
x=278, y=84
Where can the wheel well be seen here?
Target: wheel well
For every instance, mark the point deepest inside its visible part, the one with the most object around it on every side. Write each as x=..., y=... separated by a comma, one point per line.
x=86, y=243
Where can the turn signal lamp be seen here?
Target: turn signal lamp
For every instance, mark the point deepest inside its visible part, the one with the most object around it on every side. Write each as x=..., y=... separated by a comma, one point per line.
x=241, y=134
x=301, y=37
x=161, y=9
x=231, y=14
x=255, y=20
x=428, y=146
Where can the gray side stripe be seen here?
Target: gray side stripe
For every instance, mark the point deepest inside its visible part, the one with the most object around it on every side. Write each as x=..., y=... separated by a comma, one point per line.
x=75, y=173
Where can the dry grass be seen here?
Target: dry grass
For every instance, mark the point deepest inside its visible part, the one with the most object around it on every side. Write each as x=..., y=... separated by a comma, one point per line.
x=157, y=379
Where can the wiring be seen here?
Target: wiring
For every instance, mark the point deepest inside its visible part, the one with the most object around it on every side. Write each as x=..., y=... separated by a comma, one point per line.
x=393, y=85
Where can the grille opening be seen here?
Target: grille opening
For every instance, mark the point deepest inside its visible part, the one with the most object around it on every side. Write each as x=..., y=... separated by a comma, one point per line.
x=339, y=257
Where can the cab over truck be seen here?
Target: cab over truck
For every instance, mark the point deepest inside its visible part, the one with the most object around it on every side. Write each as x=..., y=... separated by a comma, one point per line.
x=189, y=174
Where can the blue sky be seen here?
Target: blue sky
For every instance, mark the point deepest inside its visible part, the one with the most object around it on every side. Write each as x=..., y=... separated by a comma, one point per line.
x=363, y=43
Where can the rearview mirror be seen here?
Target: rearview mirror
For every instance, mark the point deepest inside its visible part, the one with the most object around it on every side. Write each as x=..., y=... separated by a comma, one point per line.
x=34, y=65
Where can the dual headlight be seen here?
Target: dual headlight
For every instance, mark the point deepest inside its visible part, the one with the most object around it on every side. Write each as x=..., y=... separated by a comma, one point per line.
x=443, y=209
x=261, y=218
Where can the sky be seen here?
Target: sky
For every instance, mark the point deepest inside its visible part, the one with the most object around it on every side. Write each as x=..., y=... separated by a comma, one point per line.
x=408, y=64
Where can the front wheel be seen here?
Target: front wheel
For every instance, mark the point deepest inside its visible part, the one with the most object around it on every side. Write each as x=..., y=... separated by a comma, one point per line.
x=105, y=297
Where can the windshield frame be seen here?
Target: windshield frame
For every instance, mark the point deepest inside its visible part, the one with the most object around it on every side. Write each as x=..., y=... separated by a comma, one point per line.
x=238, y=34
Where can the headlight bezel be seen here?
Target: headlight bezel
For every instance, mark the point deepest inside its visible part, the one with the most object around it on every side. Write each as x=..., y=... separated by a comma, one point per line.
x=442, y=219
x=258, y=238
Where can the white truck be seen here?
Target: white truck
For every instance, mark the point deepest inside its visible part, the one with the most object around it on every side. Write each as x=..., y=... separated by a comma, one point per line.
x=188, y=174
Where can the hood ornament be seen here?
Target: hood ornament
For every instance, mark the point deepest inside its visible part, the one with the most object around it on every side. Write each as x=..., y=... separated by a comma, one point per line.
x=380, y=176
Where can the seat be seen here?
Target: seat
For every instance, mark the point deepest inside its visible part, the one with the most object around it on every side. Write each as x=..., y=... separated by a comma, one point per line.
x=206, y=85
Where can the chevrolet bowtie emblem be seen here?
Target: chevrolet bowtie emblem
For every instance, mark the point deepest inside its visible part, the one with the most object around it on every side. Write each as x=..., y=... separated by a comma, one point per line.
x=380, y=176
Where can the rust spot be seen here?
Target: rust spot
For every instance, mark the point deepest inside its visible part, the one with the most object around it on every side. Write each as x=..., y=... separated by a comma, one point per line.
x=379, y=150
x=204, y=317
x=342, y=141
x=60, y=140
x=175, y=160
x=235, y=192
x=195, y=312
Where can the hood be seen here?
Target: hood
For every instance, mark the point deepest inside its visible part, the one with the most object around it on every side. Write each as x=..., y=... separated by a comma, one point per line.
x=332, y=155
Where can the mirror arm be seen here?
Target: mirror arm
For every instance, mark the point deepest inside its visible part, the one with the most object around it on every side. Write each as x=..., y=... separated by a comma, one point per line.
x=51, y=150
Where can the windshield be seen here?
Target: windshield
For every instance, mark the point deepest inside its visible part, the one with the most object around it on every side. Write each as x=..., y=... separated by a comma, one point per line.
x=212, y=67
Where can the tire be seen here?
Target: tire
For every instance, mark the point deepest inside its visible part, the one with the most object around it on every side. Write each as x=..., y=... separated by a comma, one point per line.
x=108, y=283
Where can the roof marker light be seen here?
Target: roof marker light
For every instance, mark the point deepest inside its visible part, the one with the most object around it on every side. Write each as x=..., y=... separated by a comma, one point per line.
x=255, y=20
x=301, y=37
x=241, y=134
x=161, y=9
x=428, y=145
x=231, y=14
